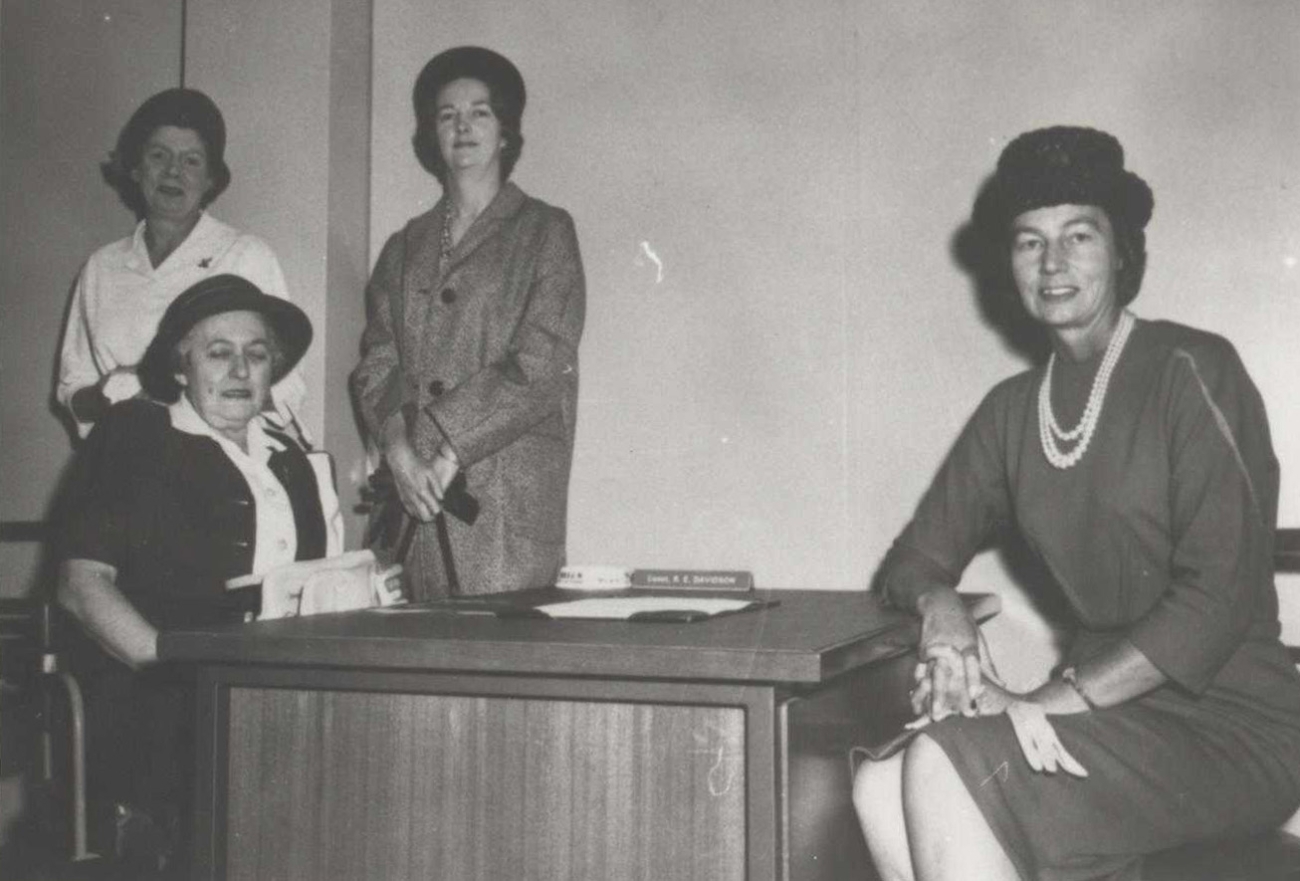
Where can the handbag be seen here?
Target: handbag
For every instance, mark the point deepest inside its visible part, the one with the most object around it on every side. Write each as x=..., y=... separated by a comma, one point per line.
x=392, y=529
x=335, y=584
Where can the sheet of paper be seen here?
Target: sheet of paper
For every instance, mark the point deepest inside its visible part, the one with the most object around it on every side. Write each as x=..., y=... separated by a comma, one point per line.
x=622, y=608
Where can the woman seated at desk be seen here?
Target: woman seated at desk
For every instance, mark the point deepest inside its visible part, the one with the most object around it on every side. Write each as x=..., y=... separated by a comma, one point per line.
x=170, y=498
x=1177, y=714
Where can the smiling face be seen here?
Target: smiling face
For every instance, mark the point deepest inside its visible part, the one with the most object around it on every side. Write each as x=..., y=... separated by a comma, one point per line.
x=227, y=362
x=173, y=174
x=1065, y=260
x=468, y=131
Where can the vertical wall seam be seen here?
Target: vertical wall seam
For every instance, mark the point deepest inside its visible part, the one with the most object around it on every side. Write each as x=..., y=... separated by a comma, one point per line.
x=185, y=8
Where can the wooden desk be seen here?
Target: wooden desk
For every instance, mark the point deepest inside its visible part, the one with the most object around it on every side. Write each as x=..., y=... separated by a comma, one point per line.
x=370, y=745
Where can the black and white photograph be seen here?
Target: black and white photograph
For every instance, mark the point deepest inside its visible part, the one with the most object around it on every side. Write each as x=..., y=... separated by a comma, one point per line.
x=614, y=440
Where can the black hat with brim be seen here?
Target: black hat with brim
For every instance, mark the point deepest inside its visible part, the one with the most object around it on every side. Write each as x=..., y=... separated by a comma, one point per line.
x=214, y=296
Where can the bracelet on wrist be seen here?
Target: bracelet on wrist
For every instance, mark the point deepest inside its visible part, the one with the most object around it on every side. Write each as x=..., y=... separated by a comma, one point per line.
x=1070, y=677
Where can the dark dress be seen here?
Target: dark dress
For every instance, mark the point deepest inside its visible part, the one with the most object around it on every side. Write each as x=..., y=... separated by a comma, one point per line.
x=1162, y=534
x=174, y=516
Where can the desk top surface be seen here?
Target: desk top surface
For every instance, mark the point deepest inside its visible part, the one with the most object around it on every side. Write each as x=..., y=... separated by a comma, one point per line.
x=808, y=637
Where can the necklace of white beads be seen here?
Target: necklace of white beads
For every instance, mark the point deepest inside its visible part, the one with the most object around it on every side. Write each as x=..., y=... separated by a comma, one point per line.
x=1049, y=432
x=444, y=249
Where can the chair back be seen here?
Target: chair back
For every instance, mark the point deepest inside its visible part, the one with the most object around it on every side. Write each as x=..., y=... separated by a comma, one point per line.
x=1286, y=559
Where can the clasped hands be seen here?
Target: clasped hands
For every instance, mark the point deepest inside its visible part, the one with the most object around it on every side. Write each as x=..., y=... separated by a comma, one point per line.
x=951, y=679
x=421, y=483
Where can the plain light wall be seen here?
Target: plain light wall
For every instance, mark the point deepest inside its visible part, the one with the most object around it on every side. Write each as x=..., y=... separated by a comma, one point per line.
x=780, y=344
x=70, y=76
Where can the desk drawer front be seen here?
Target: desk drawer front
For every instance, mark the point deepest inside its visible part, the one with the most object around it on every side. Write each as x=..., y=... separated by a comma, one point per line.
x=338, y=784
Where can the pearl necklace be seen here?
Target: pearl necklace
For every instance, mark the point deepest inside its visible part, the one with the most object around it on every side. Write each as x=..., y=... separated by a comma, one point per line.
x=1049, y=431
x=444, y=251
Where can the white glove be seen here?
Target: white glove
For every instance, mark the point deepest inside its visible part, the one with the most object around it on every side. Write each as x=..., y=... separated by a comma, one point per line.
x=1038, y=740
x=121, y=385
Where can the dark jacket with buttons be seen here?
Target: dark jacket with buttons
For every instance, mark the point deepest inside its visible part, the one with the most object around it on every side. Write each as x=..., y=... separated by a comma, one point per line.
x=174, y=516
x=485, y=350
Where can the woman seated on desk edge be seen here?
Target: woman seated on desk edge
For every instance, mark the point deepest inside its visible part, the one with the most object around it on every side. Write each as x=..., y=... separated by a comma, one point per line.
x=1176, y=715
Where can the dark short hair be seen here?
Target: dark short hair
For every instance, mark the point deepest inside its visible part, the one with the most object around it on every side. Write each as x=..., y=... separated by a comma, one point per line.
x=1071, y=165
x=1132, y=244
x=506, y=95
x=216, y=295
x=180, y=108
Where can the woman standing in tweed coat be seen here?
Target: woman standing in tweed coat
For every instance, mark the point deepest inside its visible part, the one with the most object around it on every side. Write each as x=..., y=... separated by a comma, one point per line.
x=470, y=354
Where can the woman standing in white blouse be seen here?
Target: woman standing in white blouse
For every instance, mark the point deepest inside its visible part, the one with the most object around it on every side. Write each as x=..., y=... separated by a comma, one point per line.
x=168, y=166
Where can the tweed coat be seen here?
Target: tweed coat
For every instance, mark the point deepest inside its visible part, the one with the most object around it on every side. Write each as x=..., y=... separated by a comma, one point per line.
x=485, y=351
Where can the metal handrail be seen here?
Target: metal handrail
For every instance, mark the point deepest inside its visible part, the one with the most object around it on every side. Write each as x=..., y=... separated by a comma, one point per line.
x=37, y=531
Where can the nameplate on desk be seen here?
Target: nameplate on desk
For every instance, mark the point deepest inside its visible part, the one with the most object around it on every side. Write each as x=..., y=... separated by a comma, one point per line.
x=704, y=579
x=589, y=577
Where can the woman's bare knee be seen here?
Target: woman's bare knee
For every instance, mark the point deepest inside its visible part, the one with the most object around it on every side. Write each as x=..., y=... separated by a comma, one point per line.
x=877, y=786
x=878, y=800
x=923, y=760
x=948, y=834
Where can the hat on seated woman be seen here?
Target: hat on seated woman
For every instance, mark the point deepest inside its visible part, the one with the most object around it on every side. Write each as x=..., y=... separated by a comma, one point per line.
x=214, y=296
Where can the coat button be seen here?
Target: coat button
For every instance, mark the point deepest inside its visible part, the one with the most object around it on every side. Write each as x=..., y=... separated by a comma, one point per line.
x=448, y=296
x=437, y=387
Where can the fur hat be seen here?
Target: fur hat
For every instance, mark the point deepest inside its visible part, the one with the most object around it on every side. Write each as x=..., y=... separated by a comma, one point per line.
x=213, y=296
x=1066, y=165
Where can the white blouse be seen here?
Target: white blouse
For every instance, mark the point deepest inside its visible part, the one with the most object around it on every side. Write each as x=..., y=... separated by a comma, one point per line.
x=276, y=536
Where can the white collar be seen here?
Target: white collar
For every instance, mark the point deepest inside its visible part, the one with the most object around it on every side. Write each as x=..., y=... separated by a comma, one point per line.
x=196, y=240
x=260, y=445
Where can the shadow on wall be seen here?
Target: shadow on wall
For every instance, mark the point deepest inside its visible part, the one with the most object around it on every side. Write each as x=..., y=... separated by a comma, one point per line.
x=981, y=252
x=1043, y=595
